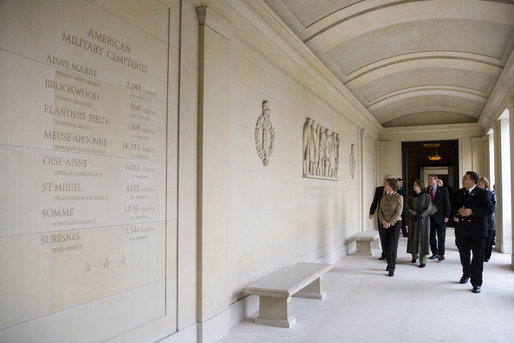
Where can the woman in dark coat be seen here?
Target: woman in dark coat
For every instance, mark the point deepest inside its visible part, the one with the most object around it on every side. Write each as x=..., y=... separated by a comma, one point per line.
x=419, y=208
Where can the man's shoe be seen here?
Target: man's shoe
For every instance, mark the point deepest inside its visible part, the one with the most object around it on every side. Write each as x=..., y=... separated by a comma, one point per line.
x=421, y=265
x=486, y=260
x=440, y=258
x=476, y=289
x=433, y=257
x=382, y=258
x=413, y=260
x=391, y=273
x=464, y=279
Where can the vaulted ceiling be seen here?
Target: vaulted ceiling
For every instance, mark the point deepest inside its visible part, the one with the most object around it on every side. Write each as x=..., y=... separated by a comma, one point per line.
x=412, y=62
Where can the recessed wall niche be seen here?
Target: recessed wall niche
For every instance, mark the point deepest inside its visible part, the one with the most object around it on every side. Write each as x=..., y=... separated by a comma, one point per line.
x=320, y=151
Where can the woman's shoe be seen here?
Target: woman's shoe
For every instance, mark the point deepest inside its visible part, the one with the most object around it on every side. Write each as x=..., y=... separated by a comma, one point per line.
x=421, y=265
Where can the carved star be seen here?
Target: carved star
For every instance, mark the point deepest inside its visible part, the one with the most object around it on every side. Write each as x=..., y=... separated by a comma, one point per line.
x=87, y=267
x=106, y=263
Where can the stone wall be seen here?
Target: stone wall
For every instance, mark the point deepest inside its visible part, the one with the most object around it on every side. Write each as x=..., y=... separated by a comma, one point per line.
x=136, y=204
x=88, y=236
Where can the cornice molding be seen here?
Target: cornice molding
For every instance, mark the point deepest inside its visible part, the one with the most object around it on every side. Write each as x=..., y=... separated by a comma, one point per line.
x=501, y=96
x=480, y=139
x=430, y=128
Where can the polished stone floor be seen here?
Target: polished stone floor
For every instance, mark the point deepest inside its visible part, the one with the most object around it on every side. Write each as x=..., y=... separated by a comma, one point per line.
x=415, y=306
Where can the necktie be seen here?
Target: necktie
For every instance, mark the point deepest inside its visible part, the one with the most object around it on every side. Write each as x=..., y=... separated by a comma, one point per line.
x=432, y=194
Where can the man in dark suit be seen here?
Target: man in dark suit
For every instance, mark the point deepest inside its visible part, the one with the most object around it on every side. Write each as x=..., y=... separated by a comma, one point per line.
x=379, y=193
x=441, y=200
x=473, y=206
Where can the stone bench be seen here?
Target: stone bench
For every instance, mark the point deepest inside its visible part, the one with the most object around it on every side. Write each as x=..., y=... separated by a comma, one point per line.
x=366, y=241
x=275, y=291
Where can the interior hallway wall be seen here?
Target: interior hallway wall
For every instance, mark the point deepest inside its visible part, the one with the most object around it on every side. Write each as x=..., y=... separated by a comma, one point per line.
x=370, y=178
x=254, y=218
x=111, y=163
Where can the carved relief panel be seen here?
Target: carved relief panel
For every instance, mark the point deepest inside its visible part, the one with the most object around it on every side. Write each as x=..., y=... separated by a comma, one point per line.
x=320, y=151
x=352, y=160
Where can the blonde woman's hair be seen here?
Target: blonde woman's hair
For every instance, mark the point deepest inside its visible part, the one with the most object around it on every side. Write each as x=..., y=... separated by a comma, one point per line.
x=486, y=182
x=394, y=183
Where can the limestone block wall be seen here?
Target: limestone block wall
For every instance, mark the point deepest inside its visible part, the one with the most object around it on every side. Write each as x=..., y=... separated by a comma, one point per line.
x=370, y=178
x=135, y=204
x=255, y=219
x=89, y=145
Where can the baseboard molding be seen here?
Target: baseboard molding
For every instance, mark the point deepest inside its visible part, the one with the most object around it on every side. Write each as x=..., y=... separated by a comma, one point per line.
x=334, y=255
x=186, y=335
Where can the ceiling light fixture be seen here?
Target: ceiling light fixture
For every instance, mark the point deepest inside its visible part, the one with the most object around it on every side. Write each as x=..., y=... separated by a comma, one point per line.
x=434, y=157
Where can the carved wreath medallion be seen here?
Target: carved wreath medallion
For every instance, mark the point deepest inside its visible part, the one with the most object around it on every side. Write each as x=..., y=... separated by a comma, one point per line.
x=264, y=134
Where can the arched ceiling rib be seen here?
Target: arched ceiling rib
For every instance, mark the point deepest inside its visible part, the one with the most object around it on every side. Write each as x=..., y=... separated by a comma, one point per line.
x=437, y=56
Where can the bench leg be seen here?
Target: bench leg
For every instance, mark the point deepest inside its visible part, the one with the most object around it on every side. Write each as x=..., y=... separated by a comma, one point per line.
x=275, y=311
x=314, y=290
x=364, y=247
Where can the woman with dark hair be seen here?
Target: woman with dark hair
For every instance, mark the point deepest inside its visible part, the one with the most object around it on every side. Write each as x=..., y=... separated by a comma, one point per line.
x=419, y=208
x=390, y=215
x=484, y=184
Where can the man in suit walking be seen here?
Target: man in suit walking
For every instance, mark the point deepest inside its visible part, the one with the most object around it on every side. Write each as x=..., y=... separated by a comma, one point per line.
x=441, y=200
x=379, y=193
x=473, y=206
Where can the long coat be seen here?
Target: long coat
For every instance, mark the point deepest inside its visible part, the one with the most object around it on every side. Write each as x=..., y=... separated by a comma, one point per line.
x=419, y=231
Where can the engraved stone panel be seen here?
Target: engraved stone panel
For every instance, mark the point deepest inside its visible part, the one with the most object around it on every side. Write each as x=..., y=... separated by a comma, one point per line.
x=92, y=264
x=83, y=151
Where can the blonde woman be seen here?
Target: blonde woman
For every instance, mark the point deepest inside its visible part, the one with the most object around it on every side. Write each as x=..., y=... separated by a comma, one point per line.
x=419, y=208
x=390, y=216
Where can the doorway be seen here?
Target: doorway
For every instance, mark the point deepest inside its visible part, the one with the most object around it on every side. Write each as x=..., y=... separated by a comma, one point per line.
x=431, y=157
